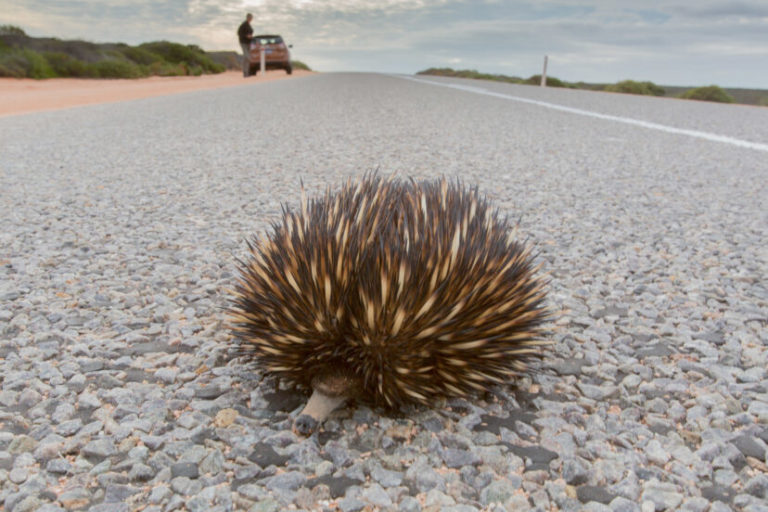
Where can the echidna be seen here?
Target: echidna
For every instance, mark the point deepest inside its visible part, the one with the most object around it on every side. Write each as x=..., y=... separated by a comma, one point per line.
x=389, y=292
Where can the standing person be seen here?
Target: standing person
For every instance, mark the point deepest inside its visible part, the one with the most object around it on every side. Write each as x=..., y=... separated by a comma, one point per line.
x=245, y=34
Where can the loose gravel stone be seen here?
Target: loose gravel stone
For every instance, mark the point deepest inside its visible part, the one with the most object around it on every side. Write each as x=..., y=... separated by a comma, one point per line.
x=750, y=447
x=376, y=495
x=75, y=498
x=664, y=496
x=575, y=471
x=656, y=453
x=116, y=493
x=757, y=486
x=588, y=493
x=185, y=469
x=185, y=486
x=141, y=472
x=351, y=505
x=58, y=466
x=99, y=449
x=386, y=477
x=497, y=492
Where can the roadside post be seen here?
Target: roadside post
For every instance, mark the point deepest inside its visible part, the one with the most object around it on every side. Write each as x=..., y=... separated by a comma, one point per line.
x=262, y=64
x=544, y=73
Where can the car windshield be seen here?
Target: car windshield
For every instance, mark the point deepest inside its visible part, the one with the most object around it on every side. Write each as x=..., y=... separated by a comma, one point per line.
x=268, y=39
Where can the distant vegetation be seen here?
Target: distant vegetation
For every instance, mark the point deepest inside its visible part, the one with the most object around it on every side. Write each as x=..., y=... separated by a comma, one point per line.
x=297, y=64
x=710, y=93
x=22, y=56
x=471, y=73
x=632, y=87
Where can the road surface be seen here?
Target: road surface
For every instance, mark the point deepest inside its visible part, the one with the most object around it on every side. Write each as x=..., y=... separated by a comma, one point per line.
x=122, y=222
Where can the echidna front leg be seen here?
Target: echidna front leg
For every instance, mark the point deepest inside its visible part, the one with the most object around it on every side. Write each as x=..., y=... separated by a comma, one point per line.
x=328, y=394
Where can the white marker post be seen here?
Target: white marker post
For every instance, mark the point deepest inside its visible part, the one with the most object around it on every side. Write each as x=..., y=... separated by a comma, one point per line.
x=262, y=58
x=544, y=73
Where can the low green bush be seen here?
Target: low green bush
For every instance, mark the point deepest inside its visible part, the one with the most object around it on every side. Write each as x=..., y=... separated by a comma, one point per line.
x=116, y=69
x=66, y=65
x=23, y=63
x=38, y=65
x=469, y=73
x=708, y=93
x=140, y=55
x=551, y=82
x=633, y=87
x=190, y=55
x=162, y=68
x=297, y=64
x=13, y=64
x=11, y=30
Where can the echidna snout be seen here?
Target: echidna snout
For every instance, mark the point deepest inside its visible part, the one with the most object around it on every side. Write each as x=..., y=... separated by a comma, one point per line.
x=328, y=394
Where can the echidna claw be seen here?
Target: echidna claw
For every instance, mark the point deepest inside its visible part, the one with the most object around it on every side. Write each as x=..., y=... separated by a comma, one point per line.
x=305, y=425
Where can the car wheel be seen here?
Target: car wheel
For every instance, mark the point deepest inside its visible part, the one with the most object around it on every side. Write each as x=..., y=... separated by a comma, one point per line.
x=289, y=69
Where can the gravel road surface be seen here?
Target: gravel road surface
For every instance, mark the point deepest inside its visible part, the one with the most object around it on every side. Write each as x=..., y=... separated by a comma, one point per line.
x=120, y=228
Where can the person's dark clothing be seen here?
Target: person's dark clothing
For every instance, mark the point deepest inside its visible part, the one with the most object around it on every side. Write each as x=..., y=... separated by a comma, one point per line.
x=244, y=31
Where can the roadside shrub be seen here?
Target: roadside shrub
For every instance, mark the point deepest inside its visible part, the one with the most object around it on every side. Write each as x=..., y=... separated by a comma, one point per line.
x=23, y=63
x=551, y=82
x=38, y=66
x=438, y=72
x=763, y=101
x=11, y=30
x=65, y=65
x=140, y=55
x=13, y=65
x=162, y=68
x=115, y=69
x=31, y=57
x=633, y=87
x=709, y=93
x=469, y=73
x=178, y=53
x=297, y=64
x=227, y=59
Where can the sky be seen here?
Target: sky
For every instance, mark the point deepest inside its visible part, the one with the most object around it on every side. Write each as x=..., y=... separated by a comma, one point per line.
x=674, y=42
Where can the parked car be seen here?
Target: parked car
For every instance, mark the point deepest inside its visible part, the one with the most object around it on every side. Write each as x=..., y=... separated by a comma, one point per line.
x=276, y=53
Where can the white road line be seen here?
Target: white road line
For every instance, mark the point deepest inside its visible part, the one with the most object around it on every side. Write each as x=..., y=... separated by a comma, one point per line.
x=626, y=120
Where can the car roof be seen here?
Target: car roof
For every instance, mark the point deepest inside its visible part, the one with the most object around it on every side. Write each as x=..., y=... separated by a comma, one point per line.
x=267, y=36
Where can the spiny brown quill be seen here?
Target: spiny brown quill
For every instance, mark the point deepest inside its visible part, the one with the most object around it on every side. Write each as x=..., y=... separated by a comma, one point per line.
x=405, y=291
